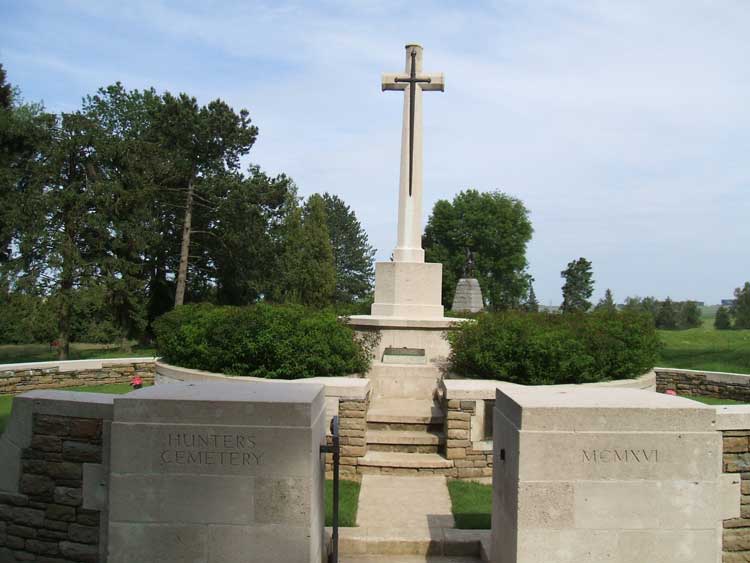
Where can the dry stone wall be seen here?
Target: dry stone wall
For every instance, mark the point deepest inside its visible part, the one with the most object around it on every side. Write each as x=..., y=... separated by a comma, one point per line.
x=467, y=460
x=704, y=383
x=46, y=521
x=736, y=540
x=19, y=378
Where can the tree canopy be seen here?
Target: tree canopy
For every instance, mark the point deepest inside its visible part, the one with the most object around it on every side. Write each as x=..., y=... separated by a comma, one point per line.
x=578, y=287
x=496, y=229
x=352, y=254
x=113, y=214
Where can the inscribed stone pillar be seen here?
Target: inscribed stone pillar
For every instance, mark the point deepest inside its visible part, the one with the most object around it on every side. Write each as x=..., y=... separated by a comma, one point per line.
x=211, y=473
x=616, y=475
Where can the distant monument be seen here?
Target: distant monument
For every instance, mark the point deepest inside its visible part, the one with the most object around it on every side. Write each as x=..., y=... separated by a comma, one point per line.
x=468, y=295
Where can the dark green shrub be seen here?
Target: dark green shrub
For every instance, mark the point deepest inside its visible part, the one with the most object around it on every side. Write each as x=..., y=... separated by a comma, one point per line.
x=546, y=348
x=272, y=341
x=723, y=320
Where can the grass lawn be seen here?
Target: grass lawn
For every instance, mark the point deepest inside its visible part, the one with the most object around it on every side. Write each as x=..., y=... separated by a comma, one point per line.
x=713, y=401
x=472, y=504
x=114, y=388
x=706, y=348
x=19, y=353
x=348, y=503
x=5, y=403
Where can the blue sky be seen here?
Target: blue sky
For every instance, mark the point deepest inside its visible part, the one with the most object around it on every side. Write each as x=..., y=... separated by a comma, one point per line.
x=623, y=126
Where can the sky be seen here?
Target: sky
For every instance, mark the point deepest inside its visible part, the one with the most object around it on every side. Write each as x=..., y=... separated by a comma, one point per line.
x=624, y=127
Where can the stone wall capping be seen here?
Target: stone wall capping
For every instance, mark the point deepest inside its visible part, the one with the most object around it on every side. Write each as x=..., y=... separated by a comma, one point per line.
x=354, y=388
x=628, y=410
x=75, y=365
x=732, y=417
x=484, y=389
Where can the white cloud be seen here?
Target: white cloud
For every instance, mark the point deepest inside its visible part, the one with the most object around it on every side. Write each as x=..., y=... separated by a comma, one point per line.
x=624, y=126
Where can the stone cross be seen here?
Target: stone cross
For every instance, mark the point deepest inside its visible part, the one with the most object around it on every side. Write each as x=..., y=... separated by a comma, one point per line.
x=413, y=81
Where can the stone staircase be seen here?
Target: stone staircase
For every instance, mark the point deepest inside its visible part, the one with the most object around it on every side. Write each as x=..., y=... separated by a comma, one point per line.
x=405, y=422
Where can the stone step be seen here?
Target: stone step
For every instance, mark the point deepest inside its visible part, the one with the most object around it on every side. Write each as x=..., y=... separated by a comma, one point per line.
x=412, y=545
x=401, y=460
x=405, y=441
x=405, y=411
x=405, y=437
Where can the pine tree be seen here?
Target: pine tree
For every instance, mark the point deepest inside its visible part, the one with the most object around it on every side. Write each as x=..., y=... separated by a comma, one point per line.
x=6, y=90
x=666, y=316
x=741, y=308
x=532, y=304
x=690, y=315
x=352, y=254
x=607, y=303
x=723, y=320
x=308, y=274
x=578, y=287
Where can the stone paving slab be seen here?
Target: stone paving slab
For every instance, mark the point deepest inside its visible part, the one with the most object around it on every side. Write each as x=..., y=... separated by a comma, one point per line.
x=417, y=503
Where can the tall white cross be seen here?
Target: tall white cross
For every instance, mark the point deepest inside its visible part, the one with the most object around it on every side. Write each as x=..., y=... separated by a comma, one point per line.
x=412, y=82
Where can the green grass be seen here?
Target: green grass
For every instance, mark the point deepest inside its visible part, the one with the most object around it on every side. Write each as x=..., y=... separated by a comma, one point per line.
x=5, y=402
x=113, y=388
x=713, y=400
x=472, y=504
x=706, y=348
x=20, y=353
x=348, y=503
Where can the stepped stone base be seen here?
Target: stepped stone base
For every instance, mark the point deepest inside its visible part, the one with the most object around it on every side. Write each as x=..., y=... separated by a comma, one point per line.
x=408, y=290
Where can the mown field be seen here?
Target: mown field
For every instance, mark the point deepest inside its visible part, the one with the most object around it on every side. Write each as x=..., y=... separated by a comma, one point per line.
x=706, y=348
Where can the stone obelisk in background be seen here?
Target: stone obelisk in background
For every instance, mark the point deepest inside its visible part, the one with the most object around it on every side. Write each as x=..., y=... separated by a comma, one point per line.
x=407, y=287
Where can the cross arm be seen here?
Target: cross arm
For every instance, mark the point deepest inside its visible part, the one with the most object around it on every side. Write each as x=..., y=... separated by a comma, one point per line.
x=437, y=82
x=388, y=82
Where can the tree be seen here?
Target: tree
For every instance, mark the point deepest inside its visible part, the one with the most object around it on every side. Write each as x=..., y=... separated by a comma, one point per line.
x=307, y=272
x=532, y=304
x=241, y=242
x=607, y=303
x=6, y=90
x=578, y=287
x=723, y=320
x=666, y=316
x=198, y=142
x=352, y=254
x=689, y=315
x=741, y=308
x=495, y=227
x=65, y=234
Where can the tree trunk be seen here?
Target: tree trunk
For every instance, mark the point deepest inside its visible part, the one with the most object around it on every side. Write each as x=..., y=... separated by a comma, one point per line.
x=179, y=297
x=66, y=290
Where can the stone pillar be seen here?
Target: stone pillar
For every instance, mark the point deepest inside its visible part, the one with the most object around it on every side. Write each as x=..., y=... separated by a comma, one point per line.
x=213, y=473
x=607, y=475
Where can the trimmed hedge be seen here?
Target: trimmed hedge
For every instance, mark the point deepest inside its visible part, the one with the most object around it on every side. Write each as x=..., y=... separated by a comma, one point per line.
x=548, y=348
x=271, y=341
